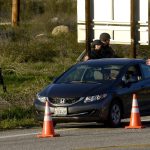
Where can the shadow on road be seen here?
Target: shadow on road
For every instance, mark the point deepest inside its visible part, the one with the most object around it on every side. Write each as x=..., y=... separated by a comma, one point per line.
x=145, y=123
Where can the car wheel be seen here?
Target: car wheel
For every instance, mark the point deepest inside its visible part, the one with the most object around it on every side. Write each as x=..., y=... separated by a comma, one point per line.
x=115, y=113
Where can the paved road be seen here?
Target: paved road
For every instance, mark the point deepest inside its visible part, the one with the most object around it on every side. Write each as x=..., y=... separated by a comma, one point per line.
x=78, y=137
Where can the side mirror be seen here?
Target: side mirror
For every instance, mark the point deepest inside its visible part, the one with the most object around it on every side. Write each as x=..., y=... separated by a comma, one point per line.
x=128, y=81
x=124, y=79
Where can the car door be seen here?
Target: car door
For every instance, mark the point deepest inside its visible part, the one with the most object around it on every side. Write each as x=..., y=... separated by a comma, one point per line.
x=144, y=94
x=132, y=82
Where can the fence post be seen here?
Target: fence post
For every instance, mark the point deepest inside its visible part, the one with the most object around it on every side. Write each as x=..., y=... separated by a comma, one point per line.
x=15, y=12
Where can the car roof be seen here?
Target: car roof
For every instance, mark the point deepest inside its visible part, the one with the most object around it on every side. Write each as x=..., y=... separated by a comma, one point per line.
x=118, y=61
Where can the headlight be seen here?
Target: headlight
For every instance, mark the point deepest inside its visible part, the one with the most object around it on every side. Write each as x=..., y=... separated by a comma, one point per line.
x=94, y=98
x=42, y=98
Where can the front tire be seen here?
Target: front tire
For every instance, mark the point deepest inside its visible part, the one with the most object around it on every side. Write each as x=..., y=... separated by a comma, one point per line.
x=114, y=116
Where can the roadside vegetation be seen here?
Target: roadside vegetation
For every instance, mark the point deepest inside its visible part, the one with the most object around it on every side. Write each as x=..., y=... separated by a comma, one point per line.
x=30, y=57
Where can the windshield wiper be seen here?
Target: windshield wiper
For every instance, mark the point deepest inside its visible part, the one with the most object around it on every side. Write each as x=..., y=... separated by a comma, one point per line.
x=69, y=82
x=86, y=82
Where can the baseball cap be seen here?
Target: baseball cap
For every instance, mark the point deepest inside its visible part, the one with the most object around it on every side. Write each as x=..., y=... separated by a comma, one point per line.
x=97, y=42
x=105, y=36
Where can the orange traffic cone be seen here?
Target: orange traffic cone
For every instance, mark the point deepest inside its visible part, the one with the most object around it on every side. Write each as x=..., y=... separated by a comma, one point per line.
x=48, y=129
x=135, y=121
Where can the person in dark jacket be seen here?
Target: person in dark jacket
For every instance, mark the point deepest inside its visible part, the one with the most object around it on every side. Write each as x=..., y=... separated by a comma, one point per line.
x=106, y=49
x=108, y=52
x=96, y=48
x=96, y=52
x=100, y=50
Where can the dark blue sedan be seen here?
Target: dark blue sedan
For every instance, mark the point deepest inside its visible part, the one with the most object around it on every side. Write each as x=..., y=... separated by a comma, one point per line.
x=97, y=91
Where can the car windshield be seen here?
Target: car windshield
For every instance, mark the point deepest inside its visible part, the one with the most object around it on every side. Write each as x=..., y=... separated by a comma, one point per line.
x=90, y=74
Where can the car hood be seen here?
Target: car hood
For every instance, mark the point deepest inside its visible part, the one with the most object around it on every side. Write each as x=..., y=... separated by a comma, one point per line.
x=73, y=90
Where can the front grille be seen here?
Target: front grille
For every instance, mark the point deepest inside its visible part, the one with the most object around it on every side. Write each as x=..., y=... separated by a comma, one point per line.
x=63, y=100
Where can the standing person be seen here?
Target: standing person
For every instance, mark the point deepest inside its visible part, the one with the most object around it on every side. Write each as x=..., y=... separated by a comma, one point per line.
x=108, y=52
x=96, y=51
x=104, y=51
x=2, y=81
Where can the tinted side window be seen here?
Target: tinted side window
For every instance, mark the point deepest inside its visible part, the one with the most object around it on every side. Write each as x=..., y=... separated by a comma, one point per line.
x=133, y=74
x=146, y=70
